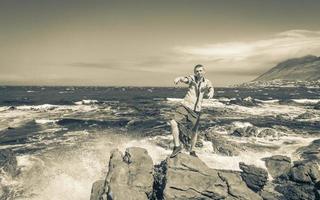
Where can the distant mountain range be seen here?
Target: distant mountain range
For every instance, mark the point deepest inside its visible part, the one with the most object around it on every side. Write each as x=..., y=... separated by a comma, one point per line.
x=296, y=72
x=306, y=68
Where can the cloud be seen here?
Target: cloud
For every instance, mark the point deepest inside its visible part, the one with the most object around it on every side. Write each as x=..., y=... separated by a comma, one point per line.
x=151, y=64
x=258, y=55
x=237, y=58
x=100, y=65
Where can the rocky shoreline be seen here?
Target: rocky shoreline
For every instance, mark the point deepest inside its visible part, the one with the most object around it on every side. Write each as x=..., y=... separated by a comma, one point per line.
x=133, y=176
x=278, y=83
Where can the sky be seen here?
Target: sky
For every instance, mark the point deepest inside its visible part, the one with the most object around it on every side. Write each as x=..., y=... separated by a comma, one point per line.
x=149, y=43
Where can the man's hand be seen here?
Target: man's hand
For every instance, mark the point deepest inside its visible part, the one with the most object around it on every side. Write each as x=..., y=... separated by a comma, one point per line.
x=210, y=94
x=177, y=80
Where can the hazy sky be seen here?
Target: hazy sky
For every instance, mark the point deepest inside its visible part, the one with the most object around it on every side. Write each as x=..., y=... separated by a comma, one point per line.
x=148, y=43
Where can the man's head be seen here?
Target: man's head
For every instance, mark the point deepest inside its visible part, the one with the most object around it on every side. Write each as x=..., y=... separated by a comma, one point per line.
x=199, y=71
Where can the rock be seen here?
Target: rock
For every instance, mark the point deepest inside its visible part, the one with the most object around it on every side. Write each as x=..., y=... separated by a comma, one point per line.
x=317, y=106
x=11, y=108
x=179, y=178
x=278, y=165
x=166, y=143
x=268, y=132
x=317, y=190
x=248, y=101
x=254, y=177
x=97, y=190
x=8, y=162
x=306, y=115
x=188, y=177
x=305, y=172
x=245, y=131
x=159, y=180
x=296, y=191
x=269, y=193
x=310, y=152
x=129, y=177
x=222, y=146
x=237, y=189
x=226, y=148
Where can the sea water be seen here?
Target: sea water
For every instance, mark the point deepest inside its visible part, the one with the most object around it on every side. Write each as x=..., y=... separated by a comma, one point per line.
x=62, y=136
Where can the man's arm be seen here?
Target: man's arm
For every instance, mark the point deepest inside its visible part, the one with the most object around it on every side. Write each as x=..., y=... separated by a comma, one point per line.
x=210, y=90
x=181, y=79
x=210, y=93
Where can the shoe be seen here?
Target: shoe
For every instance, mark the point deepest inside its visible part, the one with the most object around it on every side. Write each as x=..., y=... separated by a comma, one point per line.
x=176, y=151
x=193, y=153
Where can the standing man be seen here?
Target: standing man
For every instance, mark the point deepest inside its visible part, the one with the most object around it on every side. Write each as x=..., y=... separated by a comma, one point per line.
x=189, y=110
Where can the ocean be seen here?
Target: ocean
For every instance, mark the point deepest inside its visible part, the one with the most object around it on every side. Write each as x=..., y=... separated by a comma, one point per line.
x=62, y=136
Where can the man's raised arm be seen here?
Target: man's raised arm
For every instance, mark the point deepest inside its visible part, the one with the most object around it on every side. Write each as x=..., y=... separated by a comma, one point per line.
x=210, y=90
x=181, y=79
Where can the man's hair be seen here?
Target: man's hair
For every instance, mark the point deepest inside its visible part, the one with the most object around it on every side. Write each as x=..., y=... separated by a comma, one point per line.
x=197, y=66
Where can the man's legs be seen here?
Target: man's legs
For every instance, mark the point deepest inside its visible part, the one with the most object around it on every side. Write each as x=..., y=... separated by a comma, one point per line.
x=194, y=136
x=193, y=143
x=193, y=140
x=175, y=133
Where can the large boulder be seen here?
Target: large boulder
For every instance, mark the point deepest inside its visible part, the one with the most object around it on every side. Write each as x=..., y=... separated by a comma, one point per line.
x=278, y=165
x=188, y=177
x=254, y=177
x=305, y=172
x=130, y=177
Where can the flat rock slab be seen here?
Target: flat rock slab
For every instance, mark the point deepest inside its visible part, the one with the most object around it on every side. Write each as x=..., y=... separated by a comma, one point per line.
x=189, y=178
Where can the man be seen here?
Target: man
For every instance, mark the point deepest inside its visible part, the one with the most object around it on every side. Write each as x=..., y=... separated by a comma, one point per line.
x=189, y=110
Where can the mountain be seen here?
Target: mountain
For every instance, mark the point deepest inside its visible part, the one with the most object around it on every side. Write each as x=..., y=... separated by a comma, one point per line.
x=306, y=68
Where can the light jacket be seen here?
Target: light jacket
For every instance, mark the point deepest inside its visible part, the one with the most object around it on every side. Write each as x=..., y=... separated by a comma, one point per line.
x=196, y=91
